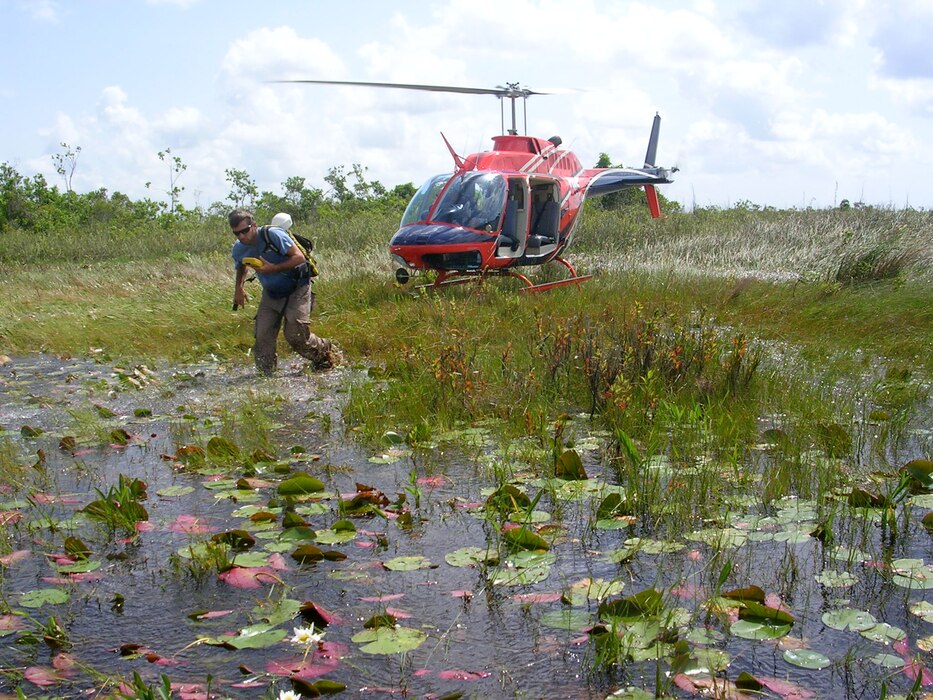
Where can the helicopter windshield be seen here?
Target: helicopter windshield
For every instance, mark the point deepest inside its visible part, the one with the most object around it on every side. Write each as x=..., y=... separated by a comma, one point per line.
x=420, y=205
x=473, y=200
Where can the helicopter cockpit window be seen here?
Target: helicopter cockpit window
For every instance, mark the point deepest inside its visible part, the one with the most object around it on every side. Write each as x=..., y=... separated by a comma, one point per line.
x=420, y=205
x=473, y=200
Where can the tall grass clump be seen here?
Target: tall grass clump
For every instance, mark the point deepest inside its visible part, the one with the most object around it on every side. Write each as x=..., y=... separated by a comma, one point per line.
x=762, y=242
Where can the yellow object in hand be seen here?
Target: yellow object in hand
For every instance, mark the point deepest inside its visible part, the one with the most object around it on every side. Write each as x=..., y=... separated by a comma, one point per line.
x=253, y=262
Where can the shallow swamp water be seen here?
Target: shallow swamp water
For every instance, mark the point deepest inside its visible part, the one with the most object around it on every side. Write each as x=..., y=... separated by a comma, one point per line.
x=245, y=527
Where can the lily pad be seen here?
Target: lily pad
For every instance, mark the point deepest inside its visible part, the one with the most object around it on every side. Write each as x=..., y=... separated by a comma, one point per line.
x=174, y=491
x=299, y=485
x=849, y=618
x=884, y=633
x=570, y=466
x=574, y=620
x=748, y=629
x=412, y=563
x=523, y=538
x=389, y=640
x=470, y=557
x=836, y=579
x=806, y=658
x=912, y=574
x=40, y=597
x=922, y=609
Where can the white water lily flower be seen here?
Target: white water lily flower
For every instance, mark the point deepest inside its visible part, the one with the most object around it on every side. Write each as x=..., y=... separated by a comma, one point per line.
x=307, y=636
x=289, y=695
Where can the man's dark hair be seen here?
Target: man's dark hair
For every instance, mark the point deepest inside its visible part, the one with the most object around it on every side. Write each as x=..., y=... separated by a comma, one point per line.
x=238, y=215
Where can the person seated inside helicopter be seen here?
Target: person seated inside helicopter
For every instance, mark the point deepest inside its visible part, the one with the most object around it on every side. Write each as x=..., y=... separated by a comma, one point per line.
x=474, y=200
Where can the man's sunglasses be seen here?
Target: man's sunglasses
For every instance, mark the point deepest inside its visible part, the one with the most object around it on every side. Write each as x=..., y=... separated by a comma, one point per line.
x=241, y=231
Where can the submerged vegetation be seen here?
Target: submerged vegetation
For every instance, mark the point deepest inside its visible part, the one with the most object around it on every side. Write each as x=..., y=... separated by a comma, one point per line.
x=704, y=473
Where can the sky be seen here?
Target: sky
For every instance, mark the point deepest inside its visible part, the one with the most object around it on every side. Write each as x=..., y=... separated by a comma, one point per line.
x=791, y=104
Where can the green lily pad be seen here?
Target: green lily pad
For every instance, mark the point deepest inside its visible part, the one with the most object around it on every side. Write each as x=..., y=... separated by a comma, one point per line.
x=522, y=577
x=806, y=658
x=252, y=559
x=720, y=538
x=174, y=491
x=574, y=620
x=470, y=557
x=922, y=609
x=252, y=637
x=299, y=485
x=79, y=567
x=412, y=563
x=921, y=470
x=389, y=640
x=850, y=555
x=849, y=618
x=523, y=538
x=757, y=631
x=570, y=466
x=333, y=536
x=912, y=574
x=923, y=500
x=592, y=589
x=836, y=579
x=38, y=598
x=884, y=633
x=888, y=661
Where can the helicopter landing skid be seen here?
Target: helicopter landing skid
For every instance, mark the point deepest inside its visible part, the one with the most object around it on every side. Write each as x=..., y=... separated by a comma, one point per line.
x=450, y=277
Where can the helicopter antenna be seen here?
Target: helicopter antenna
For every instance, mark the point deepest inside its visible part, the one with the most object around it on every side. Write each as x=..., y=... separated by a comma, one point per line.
x=512, y=91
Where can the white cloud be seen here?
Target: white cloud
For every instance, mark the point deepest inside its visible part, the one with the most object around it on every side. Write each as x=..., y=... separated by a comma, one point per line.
x=41, y=10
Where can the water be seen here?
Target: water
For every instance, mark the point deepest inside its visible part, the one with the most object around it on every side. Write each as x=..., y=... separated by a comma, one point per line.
x=481, y=639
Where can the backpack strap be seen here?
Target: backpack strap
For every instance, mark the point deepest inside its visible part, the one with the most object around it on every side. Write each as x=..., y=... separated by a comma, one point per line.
x=264, y=235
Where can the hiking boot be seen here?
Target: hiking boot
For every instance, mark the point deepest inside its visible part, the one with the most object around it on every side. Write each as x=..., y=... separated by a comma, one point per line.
x=326, y=357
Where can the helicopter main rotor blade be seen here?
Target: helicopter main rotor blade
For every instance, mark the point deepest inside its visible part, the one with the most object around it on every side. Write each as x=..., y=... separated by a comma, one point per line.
x=512, y=91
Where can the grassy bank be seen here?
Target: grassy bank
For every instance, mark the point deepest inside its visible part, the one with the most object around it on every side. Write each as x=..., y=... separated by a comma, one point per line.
x=640, y=338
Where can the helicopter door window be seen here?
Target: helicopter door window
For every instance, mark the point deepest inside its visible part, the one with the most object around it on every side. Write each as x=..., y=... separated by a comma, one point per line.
x=473, y=201
x=419, y=208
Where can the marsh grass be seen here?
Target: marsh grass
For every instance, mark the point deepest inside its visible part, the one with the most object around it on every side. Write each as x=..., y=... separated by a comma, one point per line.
x=763, y=243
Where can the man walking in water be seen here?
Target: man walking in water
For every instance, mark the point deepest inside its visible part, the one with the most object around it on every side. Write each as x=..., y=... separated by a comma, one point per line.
x=284, y=275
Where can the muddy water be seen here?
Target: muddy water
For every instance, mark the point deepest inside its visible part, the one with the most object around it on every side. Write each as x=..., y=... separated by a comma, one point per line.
x=481, y=639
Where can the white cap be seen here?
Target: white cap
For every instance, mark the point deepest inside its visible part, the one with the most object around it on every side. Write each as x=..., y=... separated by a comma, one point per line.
x=282, y=220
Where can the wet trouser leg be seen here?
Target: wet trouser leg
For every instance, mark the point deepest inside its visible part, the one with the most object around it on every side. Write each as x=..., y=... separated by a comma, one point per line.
x=266, y=332
x=297, y=313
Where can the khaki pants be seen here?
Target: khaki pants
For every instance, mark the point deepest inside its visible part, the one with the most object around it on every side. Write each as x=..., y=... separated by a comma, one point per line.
x=295, y=310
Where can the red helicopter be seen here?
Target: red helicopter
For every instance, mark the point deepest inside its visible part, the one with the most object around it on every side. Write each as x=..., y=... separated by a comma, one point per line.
x=514, y=206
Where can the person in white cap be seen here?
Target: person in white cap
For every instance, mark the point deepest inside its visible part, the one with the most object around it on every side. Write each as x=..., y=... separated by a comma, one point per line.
x=285, y=277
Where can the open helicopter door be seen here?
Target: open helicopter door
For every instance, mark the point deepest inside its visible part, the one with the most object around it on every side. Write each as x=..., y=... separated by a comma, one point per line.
x=544, y=230
x=515, y=221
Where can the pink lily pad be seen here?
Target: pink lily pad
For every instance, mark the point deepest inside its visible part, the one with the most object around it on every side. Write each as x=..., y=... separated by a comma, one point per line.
x=383, y=598
x=786, y=689
x=314, y=666
x=536, y=597
x=189, y=524
x=212, y=614
x=249, y=577
x=13, y=557
x=11, y=623
x=457, y=675
x=190, y=691
x=44, y=677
